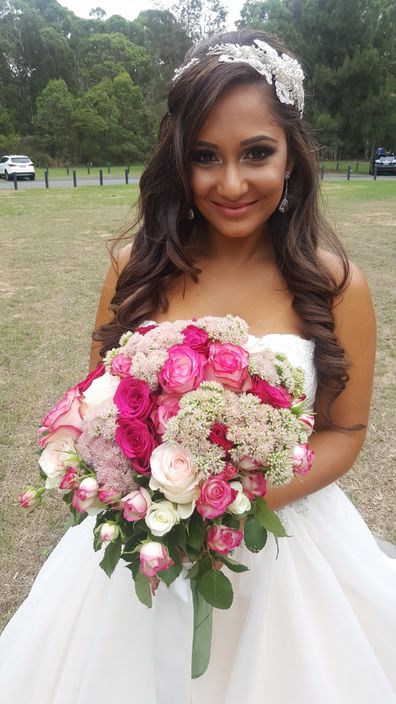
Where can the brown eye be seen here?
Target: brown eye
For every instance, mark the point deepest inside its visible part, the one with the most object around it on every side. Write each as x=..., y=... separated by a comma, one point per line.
x=259, y=153
x=202, y=157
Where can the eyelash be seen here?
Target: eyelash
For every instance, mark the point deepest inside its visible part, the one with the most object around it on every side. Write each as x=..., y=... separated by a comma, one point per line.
x=205, y=157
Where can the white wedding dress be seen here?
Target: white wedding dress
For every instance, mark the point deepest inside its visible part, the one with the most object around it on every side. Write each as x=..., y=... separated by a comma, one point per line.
x=315, y=626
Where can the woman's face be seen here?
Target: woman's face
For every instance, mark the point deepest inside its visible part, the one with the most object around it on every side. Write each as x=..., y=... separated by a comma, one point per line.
x=238, y=163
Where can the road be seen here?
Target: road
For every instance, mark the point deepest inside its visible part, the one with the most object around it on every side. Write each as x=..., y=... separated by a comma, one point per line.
x=67, y=182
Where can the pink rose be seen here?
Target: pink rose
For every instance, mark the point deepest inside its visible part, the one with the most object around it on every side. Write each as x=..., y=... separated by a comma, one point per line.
x=183, y=370
x=275, y=396
x=135, y=440
x=136, y=504
x=302, y=458
x=108, y=496
x=133, y=399
x=214, y=497
x=218, y=436
x=229, y=472
x=247, y=464
x=196, y=338
x=121, y=365
x=69, y=480
x=153, y=558
x=173, y=474
x=308, y=421
x=86, y=383
x=67, y=413
x=85, y=495
x=166, y=406
x=223, y=539
x=254, y=484
x=31, y=497
x=109, y=532
x=227, y=364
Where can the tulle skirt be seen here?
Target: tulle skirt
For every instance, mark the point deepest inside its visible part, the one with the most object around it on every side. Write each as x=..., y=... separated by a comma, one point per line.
x=317, y=625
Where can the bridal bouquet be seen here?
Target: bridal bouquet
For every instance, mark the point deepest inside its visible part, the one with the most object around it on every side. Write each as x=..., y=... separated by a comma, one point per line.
x=171, y=443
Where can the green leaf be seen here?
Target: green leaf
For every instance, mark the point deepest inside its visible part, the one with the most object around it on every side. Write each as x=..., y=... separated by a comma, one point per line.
x=133, y=566
x=143, y=590
x=216, y=589
x=196, y=532
x=111, y=557
x=193, y=572
x=203, y=625
x=168, y=576
x=268, y=519
x=233, y=565
x=254, y=534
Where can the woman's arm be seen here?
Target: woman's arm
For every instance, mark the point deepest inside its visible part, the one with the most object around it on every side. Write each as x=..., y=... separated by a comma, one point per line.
x=104, y=314
x=336, y=450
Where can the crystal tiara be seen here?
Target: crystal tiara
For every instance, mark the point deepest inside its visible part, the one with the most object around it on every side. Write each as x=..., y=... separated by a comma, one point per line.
x=278, y=69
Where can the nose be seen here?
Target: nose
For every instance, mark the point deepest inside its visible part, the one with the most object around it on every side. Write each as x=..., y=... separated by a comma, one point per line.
x=231, y=184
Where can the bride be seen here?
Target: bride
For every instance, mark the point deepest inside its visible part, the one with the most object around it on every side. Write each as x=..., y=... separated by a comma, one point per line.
x=229, y=223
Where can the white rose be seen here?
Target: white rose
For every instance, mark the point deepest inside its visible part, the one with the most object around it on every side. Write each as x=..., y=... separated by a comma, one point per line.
x=55, y=458
x=101, y=391
x=173, y=474
x=241, y=503
x=161, y=517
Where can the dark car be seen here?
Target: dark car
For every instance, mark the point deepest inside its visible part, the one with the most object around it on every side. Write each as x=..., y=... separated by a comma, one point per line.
x=385, y=163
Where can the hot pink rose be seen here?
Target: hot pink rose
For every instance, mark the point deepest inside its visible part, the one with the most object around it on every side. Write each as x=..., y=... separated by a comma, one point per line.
x=153, y=558
x=67, y=413
x=302, y=458
x=227, y=364
x=135, y=440
x=229, y=472
x=166, y=406
x=223, y=539
x=254, y=484
x=196, y=338
x=121, y=365
x=218, y=436
x=135, y=504
x=275, y=396
x=133, y=399
x=214, y=497
x=183, y=370
x=86, y=383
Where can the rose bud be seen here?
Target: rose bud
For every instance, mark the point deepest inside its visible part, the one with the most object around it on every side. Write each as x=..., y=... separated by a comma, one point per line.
x=136, y=504
x=308, y=421
x=109, y=532
x=108, y=496
x=241, y=503
x=153, y=558
x=229, y=472
x=31, y=497
x=302, y=458
x=69, y=480
x=88, y=488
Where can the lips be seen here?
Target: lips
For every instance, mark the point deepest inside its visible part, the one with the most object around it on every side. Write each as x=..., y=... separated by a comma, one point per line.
x=233, y=209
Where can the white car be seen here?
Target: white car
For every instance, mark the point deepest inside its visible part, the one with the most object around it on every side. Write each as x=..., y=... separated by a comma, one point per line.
x=18, y=164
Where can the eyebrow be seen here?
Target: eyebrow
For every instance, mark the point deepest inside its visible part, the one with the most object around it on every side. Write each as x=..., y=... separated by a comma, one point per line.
x=251, y=140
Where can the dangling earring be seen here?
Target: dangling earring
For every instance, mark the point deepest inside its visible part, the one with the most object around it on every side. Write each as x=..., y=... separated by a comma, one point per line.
x=190, y=214
x=284, y=202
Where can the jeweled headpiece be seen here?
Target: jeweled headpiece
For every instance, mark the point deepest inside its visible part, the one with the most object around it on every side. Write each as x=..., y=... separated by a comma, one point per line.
x=279, y=70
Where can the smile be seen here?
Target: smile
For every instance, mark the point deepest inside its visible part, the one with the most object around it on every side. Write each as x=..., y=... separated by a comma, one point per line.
x=234, y=210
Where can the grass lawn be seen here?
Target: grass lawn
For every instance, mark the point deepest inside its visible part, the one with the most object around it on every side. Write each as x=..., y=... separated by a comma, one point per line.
x=53, y=262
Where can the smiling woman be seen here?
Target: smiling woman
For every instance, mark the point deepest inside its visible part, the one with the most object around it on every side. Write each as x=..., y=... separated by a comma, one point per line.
x=228, y=223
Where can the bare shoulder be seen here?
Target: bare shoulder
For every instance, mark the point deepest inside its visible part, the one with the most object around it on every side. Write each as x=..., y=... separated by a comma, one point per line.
x=122, y=257
x=356, y=281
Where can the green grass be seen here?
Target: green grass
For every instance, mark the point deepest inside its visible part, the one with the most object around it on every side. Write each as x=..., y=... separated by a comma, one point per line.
x=53, y=262
x=135, y=171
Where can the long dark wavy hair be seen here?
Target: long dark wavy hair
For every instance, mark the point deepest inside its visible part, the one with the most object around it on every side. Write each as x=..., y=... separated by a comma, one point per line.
x=159, y=252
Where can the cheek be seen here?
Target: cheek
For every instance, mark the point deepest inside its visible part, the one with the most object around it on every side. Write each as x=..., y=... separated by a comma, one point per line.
x=200, y=182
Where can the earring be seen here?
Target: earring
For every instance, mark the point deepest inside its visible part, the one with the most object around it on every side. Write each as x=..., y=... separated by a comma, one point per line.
x=284, y=202
x=190, y=214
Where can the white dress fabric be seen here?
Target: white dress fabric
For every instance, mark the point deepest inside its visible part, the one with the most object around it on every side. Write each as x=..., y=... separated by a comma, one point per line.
x=315, y=626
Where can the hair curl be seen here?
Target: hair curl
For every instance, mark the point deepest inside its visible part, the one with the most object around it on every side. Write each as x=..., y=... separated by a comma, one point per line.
x=159, y=254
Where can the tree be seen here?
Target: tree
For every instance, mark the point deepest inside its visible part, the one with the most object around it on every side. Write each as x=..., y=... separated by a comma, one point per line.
x=201, y=18
x=106, y=55
x=53, y=118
